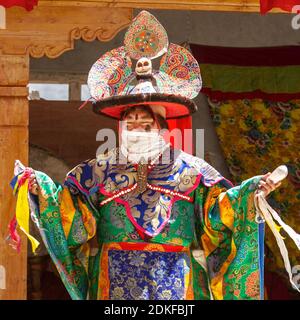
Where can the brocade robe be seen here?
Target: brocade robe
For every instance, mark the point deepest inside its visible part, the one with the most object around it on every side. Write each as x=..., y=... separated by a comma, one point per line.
x=152, y=245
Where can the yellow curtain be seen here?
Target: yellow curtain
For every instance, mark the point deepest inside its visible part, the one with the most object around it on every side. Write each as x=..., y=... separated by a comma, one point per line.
x=256, y=136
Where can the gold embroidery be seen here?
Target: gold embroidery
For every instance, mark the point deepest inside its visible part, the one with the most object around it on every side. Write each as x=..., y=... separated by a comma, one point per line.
x=142, y=176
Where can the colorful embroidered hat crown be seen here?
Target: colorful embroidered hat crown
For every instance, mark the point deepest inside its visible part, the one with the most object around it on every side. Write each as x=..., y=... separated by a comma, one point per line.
x=115, y=85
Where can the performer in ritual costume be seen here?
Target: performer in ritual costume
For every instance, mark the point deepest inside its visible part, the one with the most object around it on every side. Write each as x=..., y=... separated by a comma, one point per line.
x=128, y=225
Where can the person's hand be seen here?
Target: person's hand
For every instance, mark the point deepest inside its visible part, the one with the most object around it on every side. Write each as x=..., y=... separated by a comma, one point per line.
x=267, y=185
x=33, y=186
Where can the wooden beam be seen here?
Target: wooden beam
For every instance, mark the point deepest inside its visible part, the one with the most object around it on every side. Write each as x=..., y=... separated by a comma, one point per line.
x=14, y=71
x=51, y=30
x=201, y=5
x=74, y=91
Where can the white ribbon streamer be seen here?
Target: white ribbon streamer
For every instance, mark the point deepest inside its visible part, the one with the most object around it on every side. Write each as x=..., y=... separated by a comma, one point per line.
x=265, y=212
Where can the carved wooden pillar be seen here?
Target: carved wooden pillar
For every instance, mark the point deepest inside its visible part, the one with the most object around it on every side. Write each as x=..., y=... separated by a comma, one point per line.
x=48, y=30
x=14, y=75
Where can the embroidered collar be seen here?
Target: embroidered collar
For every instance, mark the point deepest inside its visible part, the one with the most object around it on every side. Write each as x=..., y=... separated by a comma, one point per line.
x=148, y=211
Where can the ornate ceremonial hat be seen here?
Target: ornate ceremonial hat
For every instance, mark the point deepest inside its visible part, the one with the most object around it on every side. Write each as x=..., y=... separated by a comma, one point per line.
x=115, y=86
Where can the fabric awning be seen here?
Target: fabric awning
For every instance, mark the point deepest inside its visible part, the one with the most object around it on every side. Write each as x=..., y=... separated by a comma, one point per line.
x=27, y=4
x=286, y=5
x=235, y=73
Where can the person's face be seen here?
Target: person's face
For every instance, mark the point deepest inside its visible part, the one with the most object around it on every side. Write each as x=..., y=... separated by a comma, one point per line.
x=139, y=120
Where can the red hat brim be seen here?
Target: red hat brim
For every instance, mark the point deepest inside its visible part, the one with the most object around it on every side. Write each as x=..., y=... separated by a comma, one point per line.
x=176, y=106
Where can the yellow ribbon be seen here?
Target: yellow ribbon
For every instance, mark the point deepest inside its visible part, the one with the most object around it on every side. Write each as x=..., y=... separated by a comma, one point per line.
x=278, y=228
x=22, y=214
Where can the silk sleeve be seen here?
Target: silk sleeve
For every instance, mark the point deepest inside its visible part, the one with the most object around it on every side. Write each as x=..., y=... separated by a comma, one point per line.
x=67, y=221
x=231, y=239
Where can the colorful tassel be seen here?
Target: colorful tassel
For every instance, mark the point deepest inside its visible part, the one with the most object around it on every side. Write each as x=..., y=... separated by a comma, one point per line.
x=21, y=217
x=13, y=234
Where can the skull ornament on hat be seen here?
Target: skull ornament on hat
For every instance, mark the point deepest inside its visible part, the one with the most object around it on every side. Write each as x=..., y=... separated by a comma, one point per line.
x=115, y=86
x=143, y=67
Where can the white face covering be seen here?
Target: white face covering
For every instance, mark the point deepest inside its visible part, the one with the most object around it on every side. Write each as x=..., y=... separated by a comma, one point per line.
x=140, y=146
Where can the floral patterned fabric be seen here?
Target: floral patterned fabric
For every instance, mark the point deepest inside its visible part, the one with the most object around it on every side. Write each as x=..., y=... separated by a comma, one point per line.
x=265, y=134
x=146, y=275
